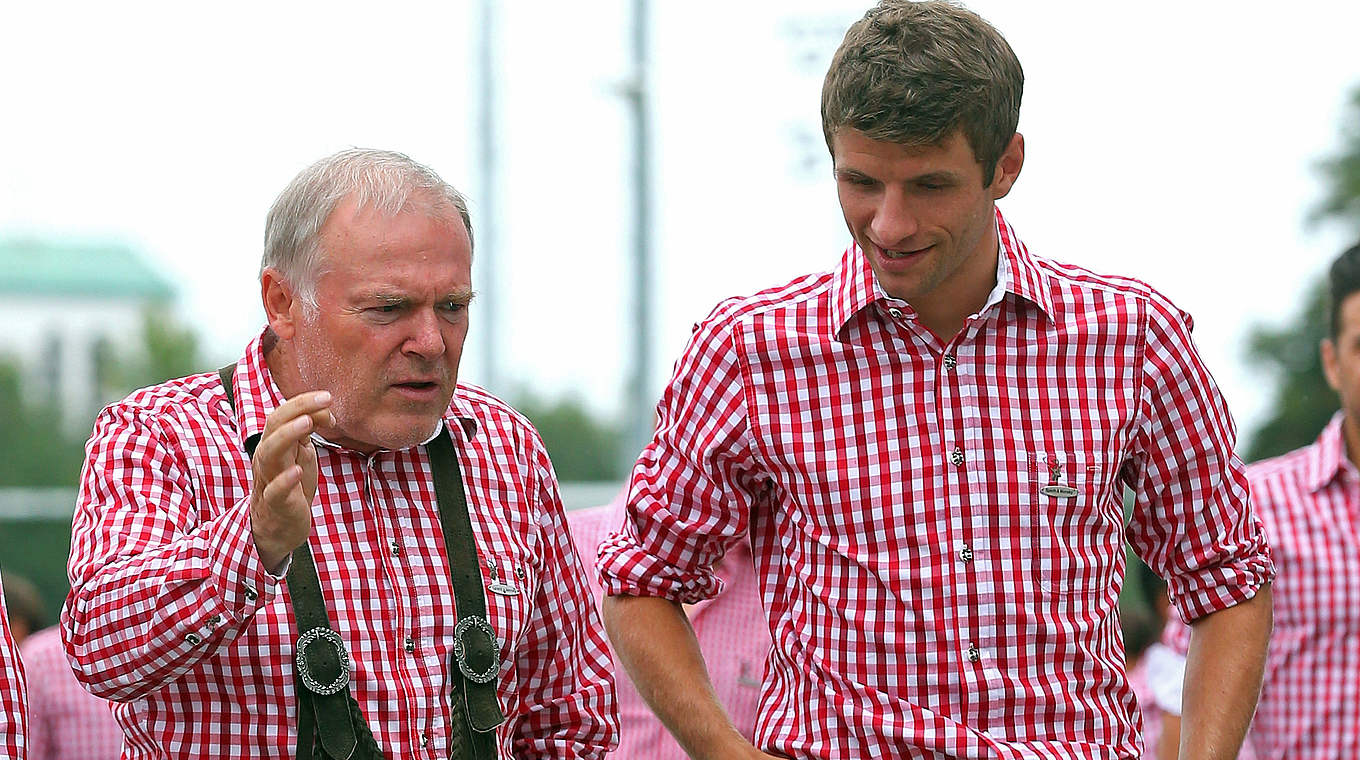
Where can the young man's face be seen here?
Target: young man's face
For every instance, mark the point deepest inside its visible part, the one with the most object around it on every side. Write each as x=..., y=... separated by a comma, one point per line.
x=922, y=214
x=1341, y=360
x=388, y=333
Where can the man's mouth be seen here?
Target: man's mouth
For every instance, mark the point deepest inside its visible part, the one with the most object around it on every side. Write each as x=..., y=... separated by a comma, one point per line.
x=892, y=254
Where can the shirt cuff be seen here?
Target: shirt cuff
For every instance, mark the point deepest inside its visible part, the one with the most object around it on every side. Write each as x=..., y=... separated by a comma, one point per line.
x=1219, y=587
x=627, y=570
x=243, y=583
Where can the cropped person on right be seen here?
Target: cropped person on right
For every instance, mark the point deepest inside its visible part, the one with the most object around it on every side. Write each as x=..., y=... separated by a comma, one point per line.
x=1309, y=503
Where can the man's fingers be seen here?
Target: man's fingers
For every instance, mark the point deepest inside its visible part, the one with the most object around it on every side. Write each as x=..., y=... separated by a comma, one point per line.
x=303, y=404
x=279, y=448
x=276, y=492
x=323, y=419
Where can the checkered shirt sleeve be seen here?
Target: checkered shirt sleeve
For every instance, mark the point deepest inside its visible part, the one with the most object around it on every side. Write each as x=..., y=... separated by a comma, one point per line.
x=1214, y=555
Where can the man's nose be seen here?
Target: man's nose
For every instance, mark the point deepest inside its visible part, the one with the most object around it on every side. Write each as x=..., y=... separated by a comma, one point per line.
x=894, y=219
x=426, y=339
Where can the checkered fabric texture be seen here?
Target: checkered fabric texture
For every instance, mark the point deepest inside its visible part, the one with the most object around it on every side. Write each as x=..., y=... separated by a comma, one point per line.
x=13, y=715
x=172, y=615
x=937, y=523
x=65, y=722
x=733, y=636
x=1309, y=502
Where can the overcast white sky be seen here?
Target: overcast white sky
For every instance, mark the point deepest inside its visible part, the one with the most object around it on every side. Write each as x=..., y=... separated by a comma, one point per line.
x=1174, y=142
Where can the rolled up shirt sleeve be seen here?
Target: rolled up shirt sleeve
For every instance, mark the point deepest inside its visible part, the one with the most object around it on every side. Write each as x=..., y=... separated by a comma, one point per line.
x=159, y=578
x=1192, y=520
x=693, y=487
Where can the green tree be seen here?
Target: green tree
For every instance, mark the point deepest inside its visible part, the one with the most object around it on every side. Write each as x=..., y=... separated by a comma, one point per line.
x=38, y=448
x=167, y=349
x=35, y=449
x=1302, y=402
x=1342, y=172
x=582, y=446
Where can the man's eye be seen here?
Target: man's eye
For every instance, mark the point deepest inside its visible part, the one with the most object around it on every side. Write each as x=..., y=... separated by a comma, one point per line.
x=454, y=307
x=387, y=308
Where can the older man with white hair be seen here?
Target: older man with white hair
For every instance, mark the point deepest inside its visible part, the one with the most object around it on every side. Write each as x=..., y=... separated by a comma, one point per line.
x=332, y=548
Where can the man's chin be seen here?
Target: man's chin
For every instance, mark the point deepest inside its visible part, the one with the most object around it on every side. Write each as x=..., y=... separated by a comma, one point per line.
x=401, y=432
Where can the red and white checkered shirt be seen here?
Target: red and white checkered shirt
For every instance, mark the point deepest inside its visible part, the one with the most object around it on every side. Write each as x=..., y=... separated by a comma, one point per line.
x=65, y=722
x=13, y=714
x=1309, y=502
x=733, y=636
x=937, y=526
x=172, y=615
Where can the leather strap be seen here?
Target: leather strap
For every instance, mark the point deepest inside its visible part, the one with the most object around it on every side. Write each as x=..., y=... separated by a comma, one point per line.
x=321, y=717
x=475, y=712
x=480, y=652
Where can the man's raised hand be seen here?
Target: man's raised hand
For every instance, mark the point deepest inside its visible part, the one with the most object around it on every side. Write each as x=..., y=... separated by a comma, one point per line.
x=284, y=476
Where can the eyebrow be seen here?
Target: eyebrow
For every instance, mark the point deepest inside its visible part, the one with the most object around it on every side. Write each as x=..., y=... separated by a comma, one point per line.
x=462, y=297
x=937, y=177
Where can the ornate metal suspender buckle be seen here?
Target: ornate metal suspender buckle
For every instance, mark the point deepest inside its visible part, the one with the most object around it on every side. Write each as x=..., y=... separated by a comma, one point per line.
x=341, y=656
x=465, y=650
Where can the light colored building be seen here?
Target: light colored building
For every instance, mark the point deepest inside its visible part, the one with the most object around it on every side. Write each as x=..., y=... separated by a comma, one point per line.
x=66, y=305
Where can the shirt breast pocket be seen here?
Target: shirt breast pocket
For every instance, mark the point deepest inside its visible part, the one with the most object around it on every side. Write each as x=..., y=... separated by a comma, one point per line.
x=510, y=583
x=1073, y=535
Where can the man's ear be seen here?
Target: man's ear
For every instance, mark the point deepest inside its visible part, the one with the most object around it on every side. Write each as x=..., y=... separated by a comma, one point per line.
x=1329, y=366
x=1008, y=166
x=282, y=307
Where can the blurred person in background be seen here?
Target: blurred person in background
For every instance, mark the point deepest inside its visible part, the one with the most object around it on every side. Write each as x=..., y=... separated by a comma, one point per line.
x=27, y=613
x=926, y=448
x=13, y=705
x=435, y=605
x=1309, y=501
x=1156, y=671
x=731, y=630
x=65, y=722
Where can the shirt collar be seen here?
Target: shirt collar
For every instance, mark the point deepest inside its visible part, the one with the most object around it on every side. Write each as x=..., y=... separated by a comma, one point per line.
x=1327, y=456
x=257, y=396
x=854, y=286
x=1025, y=278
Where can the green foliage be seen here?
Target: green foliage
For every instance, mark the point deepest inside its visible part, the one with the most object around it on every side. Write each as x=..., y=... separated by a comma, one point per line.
x=582, y=447
x=40, y=449
x=37, y=549
x=167, y=350
x=1342, y=171
x=1302, y=401
x=37, y=449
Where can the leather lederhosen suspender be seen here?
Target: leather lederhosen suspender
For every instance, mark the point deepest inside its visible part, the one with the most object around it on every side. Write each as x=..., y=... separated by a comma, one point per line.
x=330, y=722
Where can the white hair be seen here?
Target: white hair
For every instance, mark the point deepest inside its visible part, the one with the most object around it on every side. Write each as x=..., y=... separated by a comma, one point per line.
x=382, y=180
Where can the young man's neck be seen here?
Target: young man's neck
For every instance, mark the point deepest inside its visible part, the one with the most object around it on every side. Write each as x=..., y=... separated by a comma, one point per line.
x=946, y=309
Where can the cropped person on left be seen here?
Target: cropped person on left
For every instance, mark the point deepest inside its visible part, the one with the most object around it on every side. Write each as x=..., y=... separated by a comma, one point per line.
x=13, y=708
